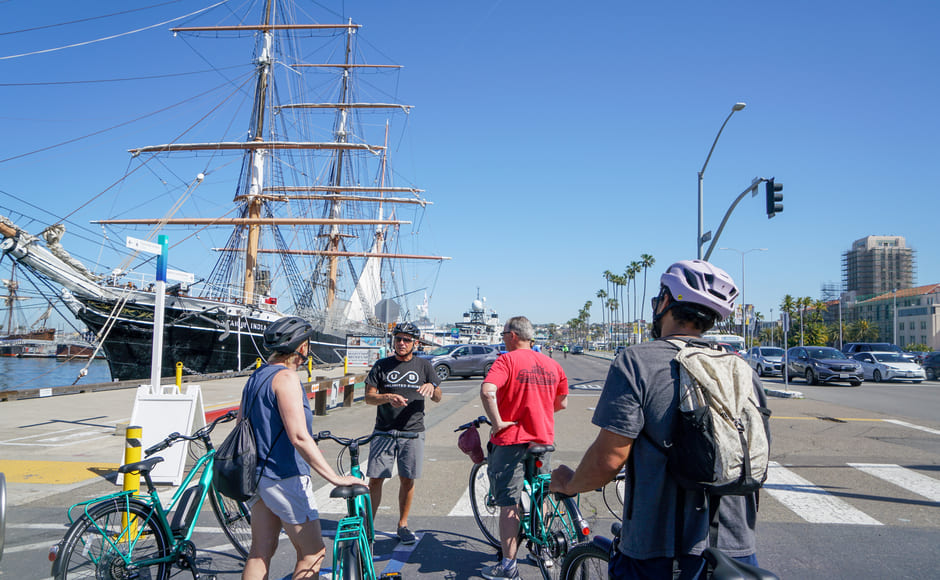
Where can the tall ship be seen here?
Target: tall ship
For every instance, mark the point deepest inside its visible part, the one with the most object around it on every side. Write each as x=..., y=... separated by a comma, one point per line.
x=319, y=222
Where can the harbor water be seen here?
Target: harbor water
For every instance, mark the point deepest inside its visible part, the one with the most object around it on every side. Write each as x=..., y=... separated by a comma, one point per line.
x=36, y=373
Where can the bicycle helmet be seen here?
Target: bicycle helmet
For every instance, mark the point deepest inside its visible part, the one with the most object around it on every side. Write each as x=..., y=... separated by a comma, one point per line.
x=408, y=328
x=698, y=282
x=287, y=334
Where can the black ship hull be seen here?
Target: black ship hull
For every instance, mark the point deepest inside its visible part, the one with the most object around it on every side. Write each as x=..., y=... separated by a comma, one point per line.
x=201, y=336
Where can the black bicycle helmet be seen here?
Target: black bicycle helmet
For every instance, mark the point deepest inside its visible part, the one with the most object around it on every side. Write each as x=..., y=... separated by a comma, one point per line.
x=408, y=328
x=287, y=334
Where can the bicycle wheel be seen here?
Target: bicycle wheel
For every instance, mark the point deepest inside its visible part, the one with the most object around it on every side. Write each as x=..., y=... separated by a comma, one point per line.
x=235, y=519
x=586, y=561
x=613, y=497
x=95, y=545
x=350, y=565
x=485, y=510
x=560, y=532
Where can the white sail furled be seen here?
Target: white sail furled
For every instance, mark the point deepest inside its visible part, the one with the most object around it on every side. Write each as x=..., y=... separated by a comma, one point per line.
x=368, y=292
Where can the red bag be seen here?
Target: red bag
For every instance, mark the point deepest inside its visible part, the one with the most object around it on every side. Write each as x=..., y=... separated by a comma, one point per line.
x=469, y=443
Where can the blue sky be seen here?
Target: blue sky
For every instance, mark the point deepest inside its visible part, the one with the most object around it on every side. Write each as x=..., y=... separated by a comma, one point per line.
x=557, y=140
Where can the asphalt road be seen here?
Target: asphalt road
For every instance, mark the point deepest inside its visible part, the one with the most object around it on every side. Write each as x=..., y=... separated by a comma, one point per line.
x=854, y=491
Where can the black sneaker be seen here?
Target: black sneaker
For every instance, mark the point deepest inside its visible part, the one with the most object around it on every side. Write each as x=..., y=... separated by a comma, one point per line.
x=405, y=536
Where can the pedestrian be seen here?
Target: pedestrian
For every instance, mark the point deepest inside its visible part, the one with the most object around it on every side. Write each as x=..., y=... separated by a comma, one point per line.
x=639, y=398
x=521, y=394
x=399, y=385
x=282, y=423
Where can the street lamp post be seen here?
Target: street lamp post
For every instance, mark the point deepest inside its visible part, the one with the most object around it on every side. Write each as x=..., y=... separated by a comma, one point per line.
x=743, y=301
x=701, y=174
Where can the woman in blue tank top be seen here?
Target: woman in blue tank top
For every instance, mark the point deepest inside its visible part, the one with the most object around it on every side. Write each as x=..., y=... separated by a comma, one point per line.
x=275, y=402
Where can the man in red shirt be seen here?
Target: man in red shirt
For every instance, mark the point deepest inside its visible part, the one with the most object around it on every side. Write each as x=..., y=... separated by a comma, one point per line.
x=521, y=394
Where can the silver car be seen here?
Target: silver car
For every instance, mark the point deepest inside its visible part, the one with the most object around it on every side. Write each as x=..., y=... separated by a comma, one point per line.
x=766, y=360
x=889, y=366
x=465, y=360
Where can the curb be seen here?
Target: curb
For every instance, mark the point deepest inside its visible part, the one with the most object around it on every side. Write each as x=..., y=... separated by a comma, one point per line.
x=783, y=394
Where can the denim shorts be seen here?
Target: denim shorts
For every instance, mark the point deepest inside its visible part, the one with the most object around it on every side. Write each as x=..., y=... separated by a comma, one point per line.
x=290, y=499
x=386, y=452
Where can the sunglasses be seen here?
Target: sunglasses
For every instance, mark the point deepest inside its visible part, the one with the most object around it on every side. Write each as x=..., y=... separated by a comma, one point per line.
x=404, y=339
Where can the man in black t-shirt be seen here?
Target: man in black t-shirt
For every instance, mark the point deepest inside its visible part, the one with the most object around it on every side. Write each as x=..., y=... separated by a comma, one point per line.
x=398, y=385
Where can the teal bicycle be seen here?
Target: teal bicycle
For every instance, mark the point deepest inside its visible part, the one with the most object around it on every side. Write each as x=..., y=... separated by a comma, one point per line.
x=127, y=535
x=355, y=533
x=551, y=524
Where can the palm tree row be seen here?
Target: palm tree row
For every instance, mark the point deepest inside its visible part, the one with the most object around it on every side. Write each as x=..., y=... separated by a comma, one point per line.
x=614, y=302
x=807, y=326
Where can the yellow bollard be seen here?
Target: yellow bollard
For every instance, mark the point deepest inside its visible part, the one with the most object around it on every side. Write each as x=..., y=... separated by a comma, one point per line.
x=179, y=377
x=257, y=363
x=345, y=365
x=132, y=454
x=309, y=368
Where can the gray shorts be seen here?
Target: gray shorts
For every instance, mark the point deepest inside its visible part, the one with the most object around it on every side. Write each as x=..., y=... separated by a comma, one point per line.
x=290, y=499
x=386, y=452
x=505, y=466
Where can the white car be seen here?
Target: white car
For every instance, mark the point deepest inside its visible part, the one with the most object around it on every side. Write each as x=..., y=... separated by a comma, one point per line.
x=889, y=366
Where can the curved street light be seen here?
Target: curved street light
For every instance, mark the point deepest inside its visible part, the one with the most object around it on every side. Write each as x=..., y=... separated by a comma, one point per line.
x=699, y=241
x=743, y=302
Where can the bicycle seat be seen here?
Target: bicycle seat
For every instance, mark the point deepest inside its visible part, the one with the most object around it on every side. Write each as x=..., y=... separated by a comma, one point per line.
x=141, y=466
x=348, y=491
x=726, y=568
x=536, y=450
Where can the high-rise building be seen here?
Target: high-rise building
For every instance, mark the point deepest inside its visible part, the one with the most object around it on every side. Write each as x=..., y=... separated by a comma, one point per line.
x=878, y=264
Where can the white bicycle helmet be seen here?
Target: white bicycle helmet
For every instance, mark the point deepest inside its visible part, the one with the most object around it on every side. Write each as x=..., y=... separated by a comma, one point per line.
x=698, y=282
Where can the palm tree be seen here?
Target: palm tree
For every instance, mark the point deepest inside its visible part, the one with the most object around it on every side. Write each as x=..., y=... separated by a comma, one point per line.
x=647, y=261
x=602, y=295
x=634, y=269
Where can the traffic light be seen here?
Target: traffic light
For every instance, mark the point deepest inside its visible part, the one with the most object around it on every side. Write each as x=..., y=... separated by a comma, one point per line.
x=774, y=197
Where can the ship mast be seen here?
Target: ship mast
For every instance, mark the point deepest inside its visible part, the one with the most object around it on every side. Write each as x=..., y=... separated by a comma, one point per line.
x=336, y=205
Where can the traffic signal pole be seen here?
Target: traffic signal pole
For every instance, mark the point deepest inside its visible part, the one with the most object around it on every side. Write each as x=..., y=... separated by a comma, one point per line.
x=752, y=189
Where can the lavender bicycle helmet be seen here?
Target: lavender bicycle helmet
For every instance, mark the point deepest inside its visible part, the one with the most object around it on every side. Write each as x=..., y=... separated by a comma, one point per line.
x=698, y=282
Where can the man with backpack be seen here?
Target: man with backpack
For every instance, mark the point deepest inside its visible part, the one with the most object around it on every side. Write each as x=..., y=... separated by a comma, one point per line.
x=650, y=395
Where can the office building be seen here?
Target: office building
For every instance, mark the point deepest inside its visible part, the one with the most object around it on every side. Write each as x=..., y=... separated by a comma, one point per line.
x=878, y=264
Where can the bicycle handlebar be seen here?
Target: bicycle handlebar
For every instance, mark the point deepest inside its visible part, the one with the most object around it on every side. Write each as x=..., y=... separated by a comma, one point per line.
x=481, y=420
x=202, y=433
x=347, y=441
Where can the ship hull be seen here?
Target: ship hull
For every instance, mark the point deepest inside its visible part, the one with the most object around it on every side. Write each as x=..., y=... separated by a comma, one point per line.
x=200, y=334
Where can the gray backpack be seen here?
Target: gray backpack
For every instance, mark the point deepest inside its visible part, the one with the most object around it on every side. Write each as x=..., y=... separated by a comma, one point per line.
x=721, y=437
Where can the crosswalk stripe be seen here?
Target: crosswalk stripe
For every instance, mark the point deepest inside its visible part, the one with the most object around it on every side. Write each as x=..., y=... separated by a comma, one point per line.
x=912, y=426
x=904, y=478
x=810, y=502
x=462, y=507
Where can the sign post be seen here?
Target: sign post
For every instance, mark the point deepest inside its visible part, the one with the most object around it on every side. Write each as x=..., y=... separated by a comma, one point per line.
x=160, y=412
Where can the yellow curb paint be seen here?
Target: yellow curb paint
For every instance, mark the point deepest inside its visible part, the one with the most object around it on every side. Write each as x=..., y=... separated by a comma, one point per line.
x=53, y=472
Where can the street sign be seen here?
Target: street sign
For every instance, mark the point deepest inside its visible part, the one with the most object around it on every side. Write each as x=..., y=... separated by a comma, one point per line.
x=144, y=246
x=187, y=277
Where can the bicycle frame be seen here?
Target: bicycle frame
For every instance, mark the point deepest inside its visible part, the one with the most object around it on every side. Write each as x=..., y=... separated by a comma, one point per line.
x=179, y=532
x=534, y=526
x=352, y=529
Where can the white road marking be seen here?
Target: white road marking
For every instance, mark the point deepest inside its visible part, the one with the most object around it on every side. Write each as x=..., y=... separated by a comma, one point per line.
x=912, y=426
x=811, y=502
x=904, y=478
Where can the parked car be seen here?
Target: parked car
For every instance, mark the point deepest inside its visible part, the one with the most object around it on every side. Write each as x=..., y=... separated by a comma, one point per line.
x=766, y=360
x=822, y=364
x=855, y=347
x=465, y=360
x=577, y=350
x=728, y=348
x=429, y=354
x=889, y=366
x=932, y=366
